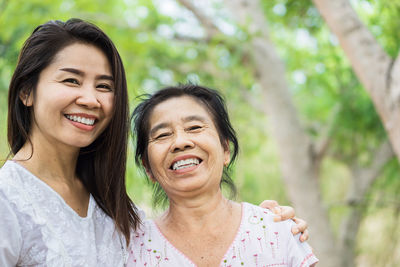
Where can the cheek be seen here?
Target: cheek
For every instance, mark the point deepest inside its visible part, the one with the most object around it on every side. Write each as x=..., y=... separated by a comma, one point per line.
x=107, y=102
x=155, y=155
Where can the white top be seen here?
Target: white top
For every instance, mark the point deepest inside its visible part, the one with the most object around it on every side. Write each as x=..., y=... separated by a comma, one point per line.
x=39, y=229
x=258, y=242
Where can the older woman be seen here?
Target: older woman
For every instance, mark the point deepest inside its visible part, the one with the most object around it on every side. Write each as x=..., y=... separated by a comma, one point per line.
x=186, y=144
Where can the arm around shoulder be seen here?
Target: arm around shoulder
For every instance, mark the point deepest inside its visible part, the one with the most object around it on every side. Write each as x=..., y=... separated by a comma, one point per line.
x=299, y=253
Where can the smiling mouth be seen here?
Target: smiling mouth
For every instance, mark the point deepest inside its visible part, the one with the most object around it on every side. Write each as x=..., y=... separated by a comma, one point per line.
x=83, y=120
x=185, y=163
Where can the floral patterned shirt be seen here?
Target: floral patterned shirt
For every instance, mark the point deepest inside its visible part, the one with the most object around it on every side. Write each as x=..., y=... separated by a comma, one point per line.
x=259, y=242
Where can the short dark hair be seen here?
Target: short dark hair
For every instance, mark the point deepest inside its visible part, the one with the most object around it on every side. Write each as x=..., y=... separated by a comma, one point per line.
x=101, y=166
x=211, y=100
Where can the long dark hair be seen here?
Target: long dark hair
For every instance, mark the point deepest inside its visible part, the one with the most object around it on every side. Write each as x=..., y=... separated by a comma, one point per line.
x=211, y=100
x=101, y=166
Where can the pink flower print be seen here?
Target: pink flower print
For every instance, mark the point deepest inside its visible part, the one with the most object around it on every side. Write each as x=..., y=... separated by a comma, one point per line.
x=166, y=259
x=158, y=257
x=273, y=249
x=255, y=259
x=136, y=235
x=248, y=235
x=244, y=246
x=233, y=257
x=145, y=263
x=259, y=241
x=277, y=239
x=149, y=250
x=141, y=250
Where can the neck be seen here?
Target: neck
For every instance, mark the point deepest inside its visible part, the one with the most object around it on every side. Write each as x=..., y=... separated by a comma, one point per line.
x=197, y=213
x=49, y=162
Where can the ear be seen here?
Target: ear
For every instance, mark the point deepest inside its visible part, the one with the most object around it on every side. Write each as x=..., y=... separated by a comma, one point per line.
x=26, y=98
x=227, y=153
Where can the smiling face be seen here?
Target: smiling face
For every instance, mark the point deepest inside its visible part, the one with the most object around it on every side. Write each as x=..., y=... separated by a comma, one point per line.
x=185, y=153
x=73, y=100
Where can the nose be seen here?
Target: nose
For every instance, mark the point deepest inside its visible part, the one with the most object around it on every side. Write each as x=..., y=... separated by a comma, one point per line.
x=88, y=98
x=181, y=142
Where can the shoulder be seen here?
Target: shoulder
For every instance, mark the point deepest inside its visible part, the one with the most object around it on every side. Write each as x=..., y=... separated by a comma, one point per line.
x=11, y=175
x=253, y=213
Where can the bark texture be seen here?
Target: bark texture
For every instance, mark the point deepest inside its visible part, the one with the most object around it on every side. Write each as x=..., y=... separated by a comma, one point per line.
x=379, y=74
x=300, y=158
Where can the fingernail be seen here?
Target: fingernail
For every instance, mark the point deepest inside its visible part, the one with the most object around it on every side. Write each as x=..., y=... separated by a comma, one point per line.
x=277, y=218
x=277, y=210
x=295, y=230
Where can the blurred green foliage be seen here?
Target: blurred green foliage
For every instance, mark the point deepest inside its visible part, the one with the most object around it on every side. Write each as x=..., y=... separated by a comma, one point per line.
x=148, y=35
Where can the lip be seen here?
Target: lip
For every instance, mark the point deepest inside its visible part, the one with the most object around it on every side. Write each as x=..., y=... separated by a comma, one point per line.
x=184, y=170
x=79, y=125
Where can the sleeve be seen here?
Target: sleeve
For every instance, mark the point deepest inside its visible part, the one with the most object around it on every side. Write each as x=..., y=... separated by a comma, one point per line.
x=10, y=235
x=299, y=254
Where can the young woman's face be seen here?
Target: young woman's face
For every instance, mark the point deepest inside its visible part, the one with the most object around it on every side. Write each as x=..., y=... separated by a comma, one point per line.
x=185, y=153
x=73, y=100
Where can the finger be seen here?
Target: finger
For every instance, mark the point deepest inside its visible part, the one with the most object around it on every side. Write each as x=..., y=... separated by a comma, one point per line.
x=304, y=236
x=301, y=225
x=269, y=204
x=287, y=213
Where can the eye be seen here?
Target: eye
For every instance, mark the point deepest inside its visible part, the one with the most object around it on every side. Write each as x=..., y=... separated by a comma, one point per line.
x=105, y=87
x=71, y=81
x=194, y=128
x=162, y=136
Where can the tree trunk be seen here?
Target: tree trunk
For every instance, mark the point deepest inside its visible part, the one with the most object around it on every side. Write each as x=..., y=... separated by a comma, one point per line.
x=379, y=74
x=294, y=146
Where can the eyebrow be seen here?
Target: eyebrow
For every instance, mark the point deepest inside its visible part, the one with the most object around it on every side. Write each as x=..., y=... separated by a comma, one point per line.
x=81, y=73
x=186, y=119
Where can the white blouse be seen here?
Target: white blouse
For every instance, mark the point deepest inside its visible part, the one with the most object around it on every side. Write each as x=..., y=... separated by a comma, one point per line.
x=38, y=228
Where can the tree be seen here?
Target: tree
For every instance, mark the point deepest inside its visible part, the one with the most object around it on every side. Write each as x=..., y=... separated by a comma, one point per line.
x=377, y=71
x=300, y=157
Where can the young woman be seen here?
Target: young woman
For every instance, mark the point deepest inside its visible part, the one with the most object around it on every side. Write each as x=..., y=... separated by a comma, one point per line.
x=62, y=197
x=63, y=200
x=187, y=153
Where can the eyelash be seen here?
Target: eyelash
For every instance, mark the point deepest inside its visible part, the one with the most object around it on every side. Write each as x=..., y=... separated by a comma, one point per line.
x=189, y=129
x=162, y=135
x=71, y=80
x=193, y=128
x=103, y=86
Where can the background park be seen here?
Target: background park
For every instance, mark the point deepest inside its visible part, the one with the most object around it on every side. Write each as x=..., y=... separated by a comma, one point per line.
x=312, y=87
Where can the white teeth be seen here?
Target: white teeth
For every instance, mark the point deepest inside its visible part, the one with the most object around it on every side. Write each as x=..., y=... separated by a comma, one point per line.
x=185, y=163
x=83, y=120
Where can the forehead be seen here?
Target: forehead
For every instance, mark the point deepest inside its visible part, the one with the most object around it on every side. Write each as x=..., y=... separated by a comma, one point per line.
x=80, y=55
x=177, y=109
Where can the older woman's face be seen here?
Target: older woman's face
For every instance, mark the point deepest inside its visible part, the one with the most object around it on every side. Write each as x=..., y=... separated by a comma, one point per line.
x=185, y=153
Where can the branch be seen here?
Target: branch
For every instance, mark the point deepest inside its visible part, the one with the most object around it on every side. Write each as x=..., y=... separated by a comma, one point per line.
x=321, y=146
x=374, y=68
x=365, y=54
x=209, y=26
x=190, y=39
x=252, y=100
x=363, y=178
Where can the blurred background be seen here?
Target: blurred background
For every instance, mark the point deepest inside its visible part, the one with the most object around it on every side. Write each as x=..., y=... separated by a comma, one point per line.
x=309, y=133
